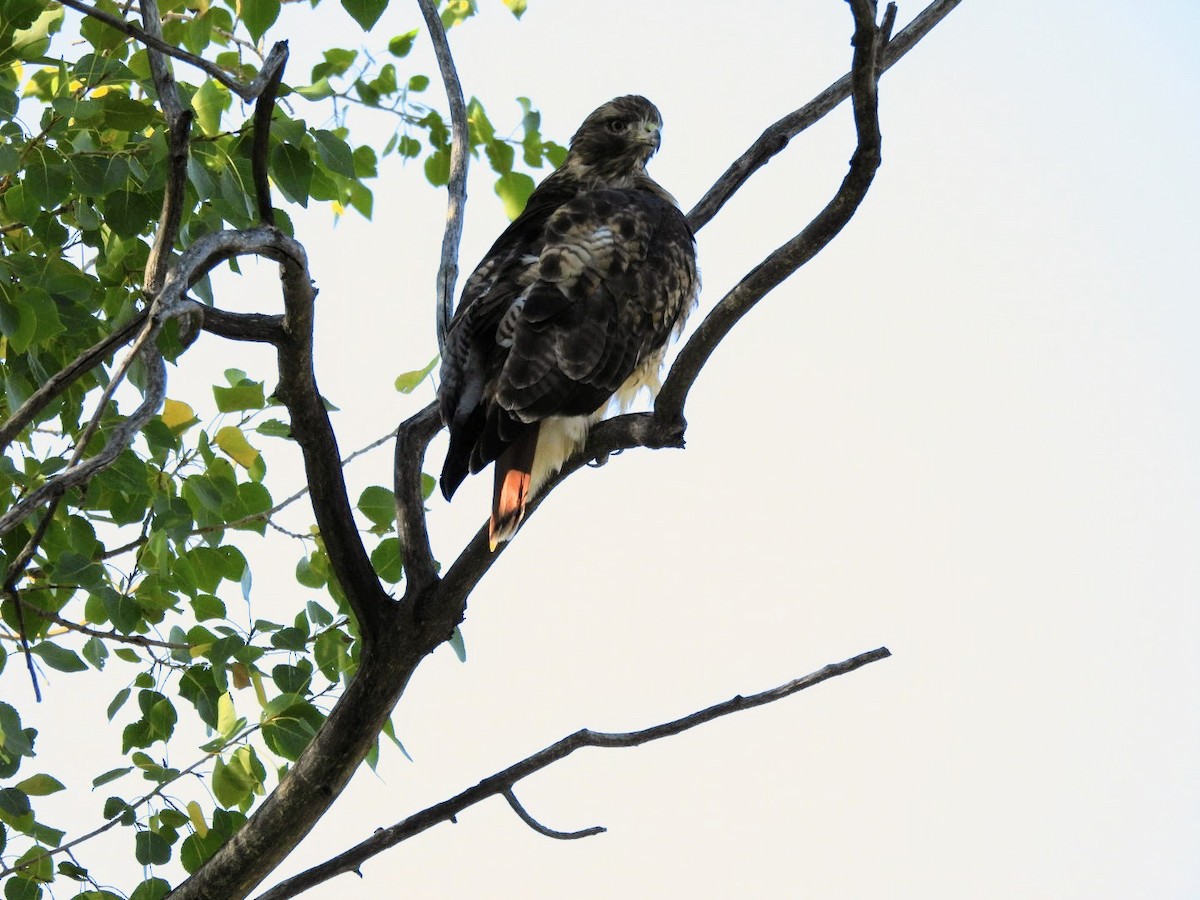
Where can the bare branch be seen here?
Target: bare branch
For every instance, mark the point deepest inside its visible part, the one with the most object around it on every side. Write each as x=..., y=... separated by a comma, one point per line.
x=776, y=137
x=246, y=91
x=312, y=430
x=503, y=781
x=785, y=260
x=542, y=829
x=179, y=123
x=457, y=187
x=263, y=111
x=258, y=327
x=412, y=439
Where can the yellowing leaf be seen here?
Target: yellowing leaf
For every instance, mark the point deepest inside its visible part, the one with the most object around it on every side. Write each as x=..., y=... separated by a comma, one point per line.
x=234, y=444
x=177, y=414
x=407, y=383
x=256, y=679
x=227, y=721
x=196, y=814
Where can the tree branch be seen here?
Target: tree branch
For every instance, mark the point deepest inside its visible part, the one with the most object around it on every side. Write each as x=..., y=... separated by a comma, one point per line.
x=246, y=91
x=179, y=123
x=412, y=439
x=457, y=187
x=775, y=138
x=541, y=829
x=137, y=640
x=502, y=782
x=312, y=430
x=263, y=110
x=826, y=225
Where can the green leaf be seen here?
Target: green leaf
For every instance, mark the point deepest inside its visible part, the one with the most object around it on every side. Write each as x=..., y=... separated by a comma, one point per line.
x=151, y=889
x=517, y=7
x=95, y=69
x=209, y=102
x=233, y=781
x=60, y=658
x=334, y=152
x=388, y=560
x=408, y=382
x=117, y=702
x=437, y=167
x=125, y=114
x=40, y=785
x=151, y=849
x=258, y=16
x=379, y=505
x=292, y=169
x=289, y=723
x=365, y=12
x=128, y=213
x=22, y=888
x=401, y=45
x=111, y=775
x=47, y=179
x=245, y=395
x=514, y=189
x=309, y=575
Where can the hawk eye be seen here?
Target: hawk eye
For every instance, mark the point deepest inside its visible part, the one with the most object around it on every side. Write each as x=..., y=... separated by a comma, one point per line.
x=616, y=126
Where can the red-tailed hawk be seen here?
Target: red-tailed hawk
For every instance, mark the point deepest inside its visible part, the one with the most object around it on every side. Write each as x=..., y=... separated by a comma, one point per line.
x=572, y=308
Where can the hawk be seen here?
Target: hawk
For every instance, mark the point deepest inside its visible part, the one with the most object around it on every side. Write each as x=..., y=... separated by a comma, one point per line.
x=570, y=311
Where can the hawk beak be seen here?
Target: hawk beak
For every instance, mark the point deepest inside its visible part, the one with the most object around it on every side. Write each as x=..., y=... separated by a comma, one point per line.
x=651, y=135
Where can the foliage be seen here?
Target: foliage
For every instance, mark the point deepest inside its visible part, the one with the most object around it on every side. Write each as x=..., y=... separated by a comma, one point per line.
x=141, y=572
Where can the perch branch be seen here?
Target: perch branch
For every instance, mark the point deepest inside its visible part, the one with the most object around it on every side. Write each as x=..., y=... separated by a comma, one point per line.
x=824, y=227
x=503, y=781
x=457, y=186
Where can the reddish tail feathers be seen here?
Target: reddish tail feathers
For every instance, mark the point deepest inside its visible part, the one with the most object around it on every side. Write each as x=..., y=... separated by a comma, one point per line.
x=514, y=470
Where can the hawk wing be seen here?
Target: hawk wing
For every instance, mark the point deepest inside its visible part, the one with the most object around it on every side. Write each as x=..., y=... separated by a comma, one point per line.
x=575, y=301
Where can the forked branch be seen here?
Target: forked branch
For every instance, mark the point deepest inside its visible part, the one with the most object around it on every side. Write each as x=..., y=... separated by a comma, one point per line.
x=501, y=784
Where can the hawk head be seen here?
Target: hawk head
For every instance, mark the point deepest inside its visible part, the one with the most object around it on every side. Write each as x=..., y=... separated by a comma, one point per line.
x=614, y=142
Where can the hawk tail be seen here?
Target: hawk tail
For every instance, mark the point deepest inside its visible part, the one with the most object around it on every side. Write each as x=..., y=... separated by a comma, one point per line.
x=514, y=472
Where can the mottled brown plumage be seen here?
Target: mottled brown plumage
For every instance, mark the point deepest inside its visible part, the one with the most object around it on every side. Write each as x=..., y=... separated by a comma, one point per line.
x=572, y=307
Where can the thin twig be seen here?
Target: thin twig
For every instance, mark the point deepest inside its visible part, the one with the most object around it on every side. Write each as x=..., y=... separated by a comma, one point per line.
x=776, y=137
x=457, y=186
x=246, y=91
x=541, y=829
x=137, y=640
x=825, y=226
x=503, y=781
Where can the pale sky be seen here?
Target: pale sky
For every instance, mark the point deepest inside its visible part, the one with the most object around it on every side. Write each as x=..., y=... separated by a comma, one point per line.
x=968, y=431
